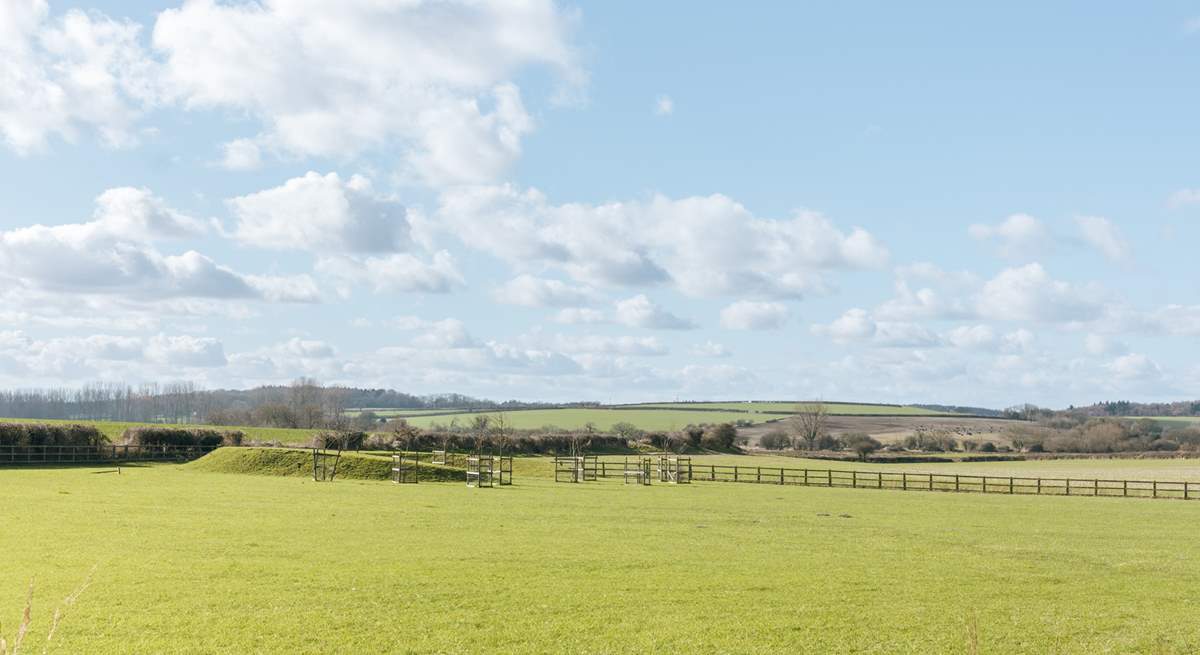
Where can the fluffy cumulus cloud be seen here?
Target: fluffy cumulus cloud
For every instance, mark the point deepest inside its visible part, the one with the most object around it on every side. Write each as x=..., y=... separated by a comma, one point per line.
x=529, y=291
x=60, y=76
x=24, y=359
x=752, y=315
x=640, y=311
x=1018, y=236
x=857, y=325
x=321, y=213
x=703, y=246
x=1028, y=293
x=432, y=79
x=115, y=254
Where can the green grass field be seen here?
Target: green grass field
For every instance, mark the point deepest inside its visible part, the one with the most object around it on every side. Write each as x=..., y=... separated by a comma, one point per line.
x=192, y=561
x=603, y=419
x=852, y=409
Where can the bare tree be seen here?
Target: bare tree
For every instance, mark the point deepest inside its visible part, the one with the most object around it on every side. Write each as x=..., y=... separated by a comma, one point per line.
x=501, y=430
x=809, y=424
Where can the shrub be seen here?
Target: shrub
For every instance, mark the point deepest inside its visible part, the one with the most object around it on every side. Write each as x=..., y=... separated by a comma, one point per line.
x=349, y=440
x=987, y=447
x=234, y=437
x=42, y=434
x=694, y=434
x=720, y=437
x=163, y=436
x=862, y=444
x=627, y=431
x=775, y=440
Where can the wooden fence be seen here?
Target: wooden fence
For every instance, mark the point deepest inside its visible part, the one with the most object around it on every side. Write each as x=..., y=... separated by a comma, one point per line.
x=41, y=455
x=953, y=482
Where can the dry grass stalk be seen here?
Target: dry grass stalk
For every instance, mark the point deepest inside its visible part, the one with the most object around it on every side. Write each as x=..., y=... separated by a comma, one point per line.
x=27, y=617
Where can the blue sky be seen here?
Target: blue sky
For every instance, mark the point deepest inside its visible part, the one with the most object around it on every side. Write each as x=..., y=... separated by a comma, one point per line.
x=610, y=201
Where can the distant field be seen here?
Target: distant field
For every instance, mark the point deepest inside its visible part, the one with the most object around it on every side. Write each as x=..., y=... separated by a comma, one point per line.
x=114, y=429
x=603, y=419
x=855, y=409
x=1166, y=419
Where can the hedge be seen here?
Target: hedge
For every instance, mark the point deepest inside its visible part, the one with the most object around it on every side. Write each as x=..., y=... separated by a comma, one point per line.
x=43, y=434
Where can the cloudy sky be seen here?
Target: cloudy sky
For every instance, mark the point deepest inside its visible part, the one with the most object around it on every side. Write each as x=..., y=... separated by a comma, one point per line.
x=607, y=201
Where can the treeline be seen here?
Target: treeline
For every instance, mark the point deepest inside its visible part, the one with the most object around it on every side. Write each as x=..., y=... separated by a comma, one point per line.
x=305, y=403
x=1127, y=408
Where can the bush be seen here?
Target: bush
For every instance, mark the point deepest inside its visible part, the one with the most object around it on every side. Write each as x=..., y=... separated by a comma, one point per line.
x=234, y=437
x=862, y=444
x=42, y=434
x=163, y=436
x=720, y=437
x=987, y=447
x=350, y=440
x=627, y=431
x=775, y=440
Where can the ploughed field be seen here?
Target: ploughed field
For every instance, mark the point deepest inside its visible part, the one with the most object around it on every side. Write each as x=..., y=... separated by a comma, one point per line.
x=191, y=559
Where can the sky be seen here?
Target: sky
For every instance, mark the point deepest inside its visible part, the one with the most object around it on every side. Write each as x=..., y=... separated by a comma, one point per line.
x=934, y=203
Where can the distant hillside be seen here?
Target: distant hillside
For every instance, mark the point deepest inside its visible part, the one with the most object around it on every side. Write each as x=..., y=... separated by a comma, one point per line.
x=960, y=409
x=1128, y=408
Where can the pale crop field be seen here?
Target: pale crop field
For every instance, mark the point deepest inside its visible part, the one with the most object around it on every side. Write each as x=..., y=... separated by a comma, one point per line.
x=188, y=560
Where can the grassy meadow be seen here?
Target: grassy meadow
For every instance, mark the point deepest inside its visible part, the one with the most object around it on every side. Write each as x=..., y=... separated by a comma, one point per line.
x=189, y=560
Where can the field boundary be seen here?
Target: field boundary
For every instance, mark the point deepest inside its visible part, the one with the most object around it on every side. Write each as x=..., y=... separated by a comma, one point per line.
x=949, y=482
x=42, y=455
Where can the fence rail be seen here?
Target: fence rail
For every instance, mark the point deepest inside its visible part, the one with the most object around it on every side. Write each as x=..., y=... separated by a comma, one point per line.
x=34, y=455
x=952, y=482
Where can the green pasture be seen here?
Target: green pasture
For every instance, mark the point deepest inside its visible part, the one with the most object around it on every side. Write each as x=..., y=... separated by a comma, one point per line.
x=191, y=561
x=854, y=409
x=603, y=419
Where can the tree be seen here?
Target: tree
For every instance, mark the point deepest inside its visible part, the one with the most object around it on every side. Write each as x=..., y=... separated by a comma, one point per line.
x=501, y=430
x=809, y=424
x=627, y=431
x=861, y=444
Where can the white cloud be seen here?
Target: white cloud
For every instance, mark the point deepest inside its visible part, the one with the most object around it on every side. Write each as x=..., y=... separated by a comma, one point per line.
x=639, y=311
x=664, y=105
x=603, y=345
x=61, y=75
x=1134, y=366
x=925, y=291
x=529, y=291
x=1028, y=293
x=241, y=155
x=580, y=316
x=751, y=315
x=321, y=213
x=854, y=325
x=1018, y=236
x=704, y=246
x=1101, y=234
x=185, y=351
x=395, y=273
x=971, y=336
x=1184, y=198
x=113, y=254
x=711, y=349
x=1099, y=344
x=428, y=79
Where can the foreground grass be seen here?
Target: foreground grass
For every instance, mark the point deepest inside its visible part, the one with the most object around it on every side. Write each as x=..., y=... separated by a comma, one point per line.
x=193, y=561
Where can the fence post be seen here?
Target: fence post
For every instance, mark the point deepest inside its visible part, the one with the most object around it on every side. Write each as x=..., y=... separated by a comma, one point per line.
x=806, y=477
x=712, y=472
x=931, y=482
x=1039, y=486
x=1010, y=486
x=1068, y=486
x=758, y=477
x=854, y=479
x=780, y=475
x=1125, y=488
x=1156, y=488
x=829, y=478
x=904, y=481
x=1095, y=487
x=735, y=473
